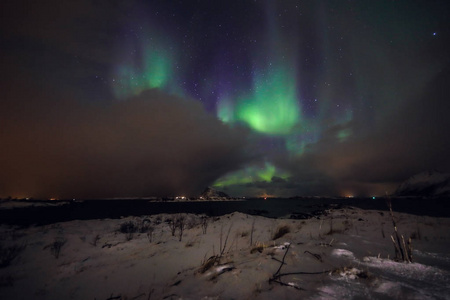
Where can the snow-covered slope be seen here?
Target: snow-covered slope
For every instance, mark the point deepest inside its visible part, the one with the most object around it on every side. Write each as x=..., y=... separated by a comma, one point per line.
x=342, y=255
x=431, y=183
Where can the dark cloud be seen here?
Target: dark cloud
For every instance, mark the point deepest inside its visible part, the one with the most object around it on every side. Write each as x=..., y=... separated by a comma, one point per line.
x=317, y=185
x=410, y=140
x=152, y=144
x=385, y=66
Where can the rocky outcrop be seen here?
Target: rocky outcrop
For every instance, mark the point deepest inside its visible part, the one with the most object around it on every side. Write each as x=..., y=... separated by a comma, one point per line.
x=212, y=194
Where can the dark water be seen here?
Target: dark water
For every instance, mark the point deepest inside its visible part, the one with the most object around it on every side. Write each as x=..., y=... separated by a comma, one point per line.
x=274, y=208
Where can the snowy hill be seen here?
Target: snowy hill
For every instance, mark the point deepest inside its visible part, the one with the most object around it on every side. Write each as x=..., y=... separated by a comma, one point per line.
x=431, y=183
x=212, y=194
x=89, y=259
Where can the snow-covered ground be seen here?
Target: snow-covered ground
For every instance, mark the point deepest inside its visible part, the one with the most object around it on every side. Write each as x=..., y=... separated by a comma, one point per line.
x=341, y=255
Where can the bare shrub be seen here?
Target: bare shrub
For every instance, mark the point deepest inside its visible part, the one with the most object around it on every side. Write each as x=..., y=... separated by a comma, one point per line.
x=144, y=226
x=251, y=232
x=150, y=233
x=281, y=231
x=55, y=247
x=191, y=222
x=172, y=225
x=12, y=234
x=180, y=223
x=204, y=224
x=128, y=228
x=8, y=254
x=177, y=222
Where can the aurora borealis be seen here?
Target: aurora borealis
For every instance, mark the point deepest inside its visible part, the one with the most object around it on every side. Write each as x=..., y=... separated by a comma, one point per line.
x=277, y=98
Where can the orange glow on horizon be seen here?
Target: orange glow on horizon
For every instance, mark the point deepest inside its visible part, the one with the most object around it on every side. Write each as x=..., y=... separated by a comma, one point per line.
x=265, y=196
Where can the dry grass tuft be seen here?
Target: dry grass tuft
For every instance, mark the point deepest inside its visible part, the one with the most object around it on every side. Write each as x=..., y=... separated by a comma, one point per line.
x=281, y=231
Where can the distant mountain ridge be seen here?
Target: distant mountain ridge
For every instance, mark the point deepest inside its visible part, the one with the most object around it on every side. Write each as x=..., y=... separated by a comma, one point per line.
x=426, y=184
x=212, y=194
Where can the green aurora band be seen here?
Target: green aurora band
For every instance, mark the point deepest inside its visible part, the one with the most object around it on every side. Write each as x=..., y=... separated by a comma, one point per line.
x=272, y=108
x=153, y=68
x=251, y=174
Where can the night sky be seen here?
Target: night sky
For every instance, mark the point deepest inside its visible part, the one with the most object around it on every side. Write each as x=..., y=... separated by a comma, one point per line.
x=256, y=98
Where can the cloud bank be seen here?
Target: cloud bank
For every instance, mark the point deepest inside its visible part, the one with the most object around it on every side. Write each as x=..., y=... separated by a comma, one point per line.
x=150, y=145
x=409, y=140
